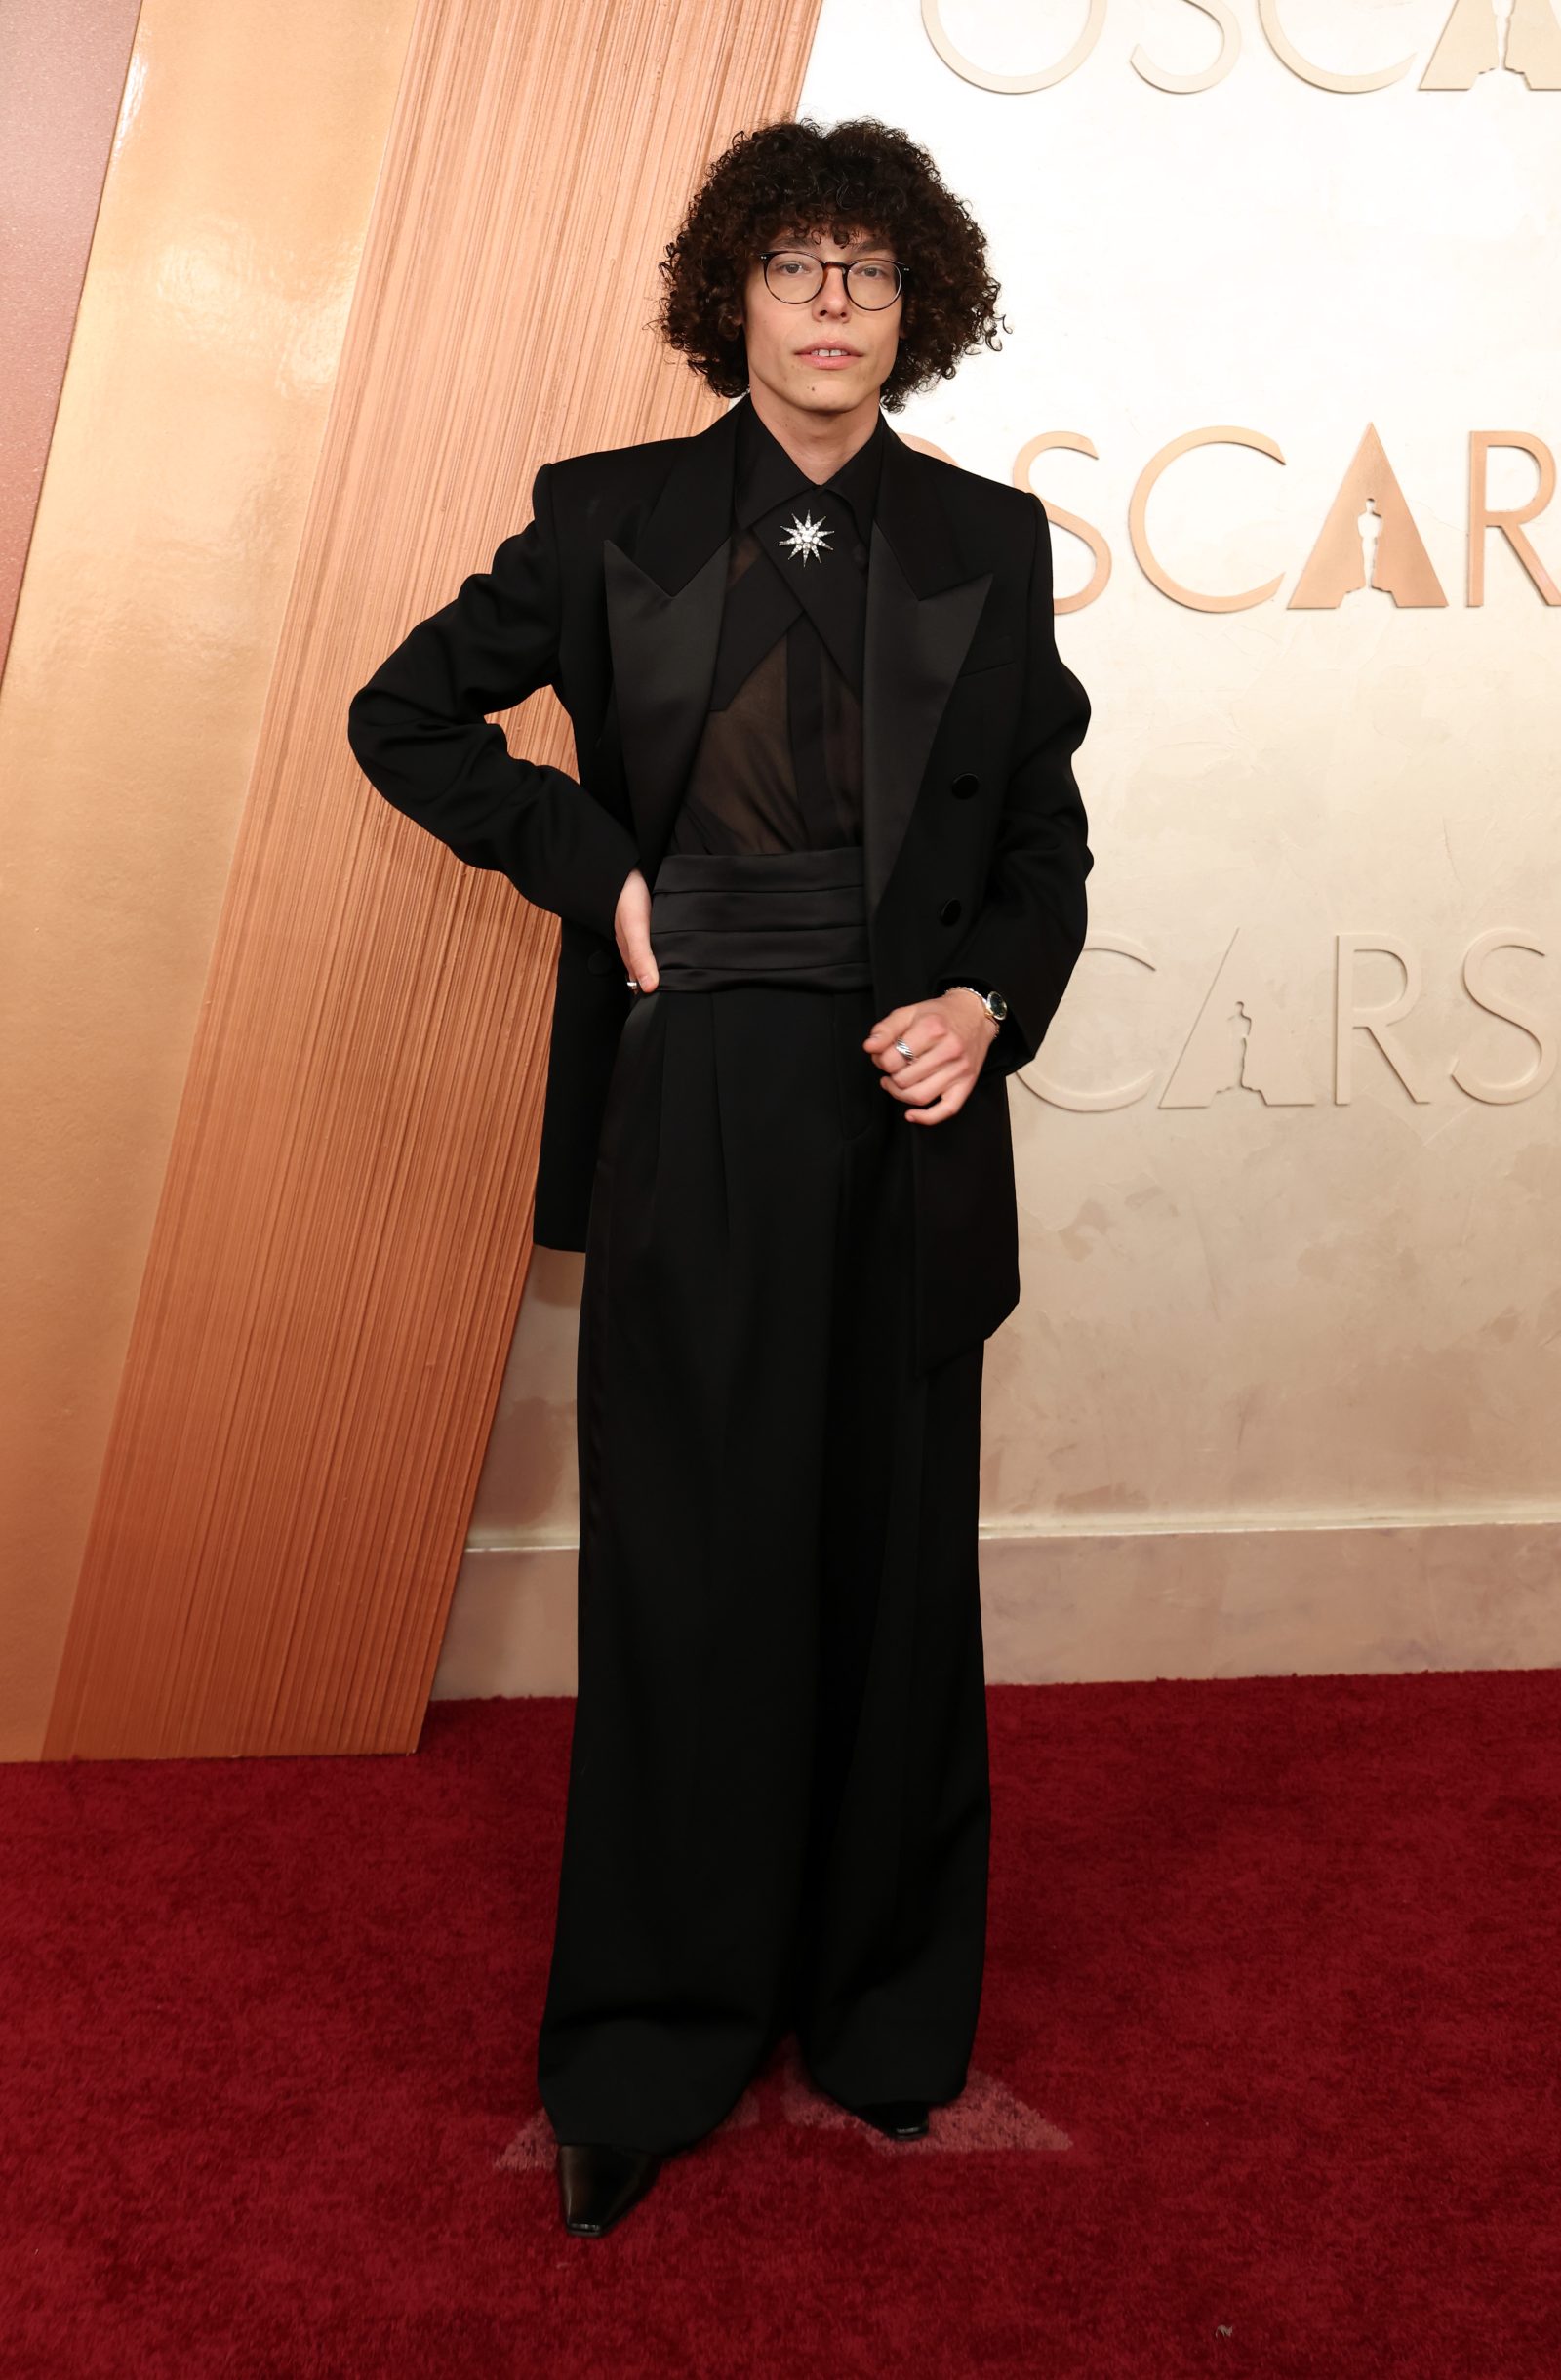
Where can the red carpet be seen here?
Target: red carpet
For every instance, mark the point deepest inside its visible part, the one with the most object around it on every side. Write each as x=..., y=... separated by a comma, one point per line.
x=1266, y=2074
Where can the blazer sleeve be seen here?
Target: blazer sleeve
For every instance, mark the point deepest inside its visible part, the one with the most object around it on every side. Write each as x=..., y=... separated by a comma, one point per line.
x=420, y=733
x=1027, y=934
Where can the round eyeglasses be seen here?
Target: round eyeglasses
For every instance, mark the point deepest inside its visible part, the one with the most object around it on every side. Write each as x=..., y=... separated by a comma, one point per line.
x=795, y=274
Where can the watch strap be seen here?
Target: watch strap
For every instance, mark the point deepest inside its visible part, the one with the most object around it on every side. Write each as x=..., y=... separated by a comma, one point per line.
x=983, y=993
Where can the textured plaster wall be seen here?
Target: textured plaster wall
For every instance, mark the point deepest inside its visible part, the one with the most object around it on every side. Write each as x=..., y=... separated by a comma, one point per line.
x=1283, y=1268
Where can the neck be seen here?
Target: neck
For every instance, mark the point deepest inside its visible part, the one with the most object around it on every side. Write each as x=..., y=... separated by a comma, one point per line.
x=817, y=442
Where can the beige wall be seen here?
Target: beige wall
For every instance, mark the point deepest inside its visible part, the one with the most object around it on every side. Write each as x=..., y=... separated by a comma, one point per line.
x=190, y=425
x=1281, y=1392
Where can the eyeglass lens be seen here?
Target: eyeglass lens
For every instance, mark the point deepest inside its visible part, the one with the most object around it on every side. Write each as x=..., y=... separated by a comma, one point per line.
x=794, y=275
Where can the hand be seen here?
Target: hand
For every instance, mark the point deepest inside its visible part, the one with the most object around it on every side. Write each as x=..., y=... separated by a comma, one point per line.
x=631, y=927
x=948, y=1037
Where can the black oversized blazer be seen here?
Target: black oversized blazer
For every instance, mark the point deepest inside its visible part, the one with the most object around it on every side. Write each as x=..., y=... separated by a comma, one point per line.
x=974, y=833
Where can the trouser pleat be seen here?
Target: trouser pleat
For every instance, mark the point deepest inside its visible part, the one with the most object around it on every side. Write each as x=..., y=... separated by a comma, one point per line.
x=779, y=1809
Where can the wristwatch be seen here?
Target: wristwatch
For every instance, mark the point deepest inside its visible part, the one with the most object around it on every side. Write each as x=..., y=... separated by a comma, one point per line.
x=993, y=1002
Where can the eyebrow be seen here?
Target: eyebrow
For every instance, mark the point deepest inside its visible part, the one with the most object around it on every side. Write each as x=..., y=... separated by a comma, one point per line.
x=794, y=239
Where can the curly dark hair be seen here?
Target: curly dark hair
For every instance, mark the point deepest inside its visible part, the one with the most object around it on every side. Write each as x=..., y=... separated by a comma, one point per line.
x=863, y=176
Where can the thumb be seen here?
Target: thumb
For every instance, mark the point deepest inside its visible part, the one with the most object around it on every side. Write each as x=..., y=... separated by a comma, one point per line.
x=641, y=961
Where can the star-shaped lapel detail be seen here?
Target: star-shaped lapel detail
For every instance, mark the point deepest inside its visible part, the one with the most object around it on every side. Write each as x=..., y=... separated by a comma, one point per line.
x=806, y=537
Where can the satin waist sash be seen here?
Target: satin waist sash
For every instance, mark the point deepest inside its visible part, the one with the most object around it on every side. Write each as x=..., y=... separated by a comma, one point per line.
x=798, y=917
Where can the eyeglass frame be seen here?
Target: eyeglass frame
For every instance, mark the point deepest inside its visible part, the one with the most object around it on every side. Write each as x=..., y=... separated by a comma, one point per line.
x=845, y=264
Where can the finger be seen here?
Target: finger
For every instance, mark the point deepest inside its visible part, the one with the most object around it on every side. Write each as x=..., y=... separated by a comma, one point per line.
x=641, y=959
x=949, y=1104
x=889, y=1028
x=921, y=1034
x=938, y=1050
x=911, y=1093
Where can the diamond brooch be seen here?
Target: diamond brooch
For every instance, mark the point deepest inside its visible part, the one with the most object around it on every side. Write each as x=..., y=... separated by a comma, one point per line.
x=806, y=537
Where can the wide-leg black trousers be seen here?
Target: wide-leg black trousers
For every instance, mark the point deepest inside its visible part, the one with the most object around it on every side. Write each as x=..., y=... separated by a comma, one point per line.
x=778, y=1810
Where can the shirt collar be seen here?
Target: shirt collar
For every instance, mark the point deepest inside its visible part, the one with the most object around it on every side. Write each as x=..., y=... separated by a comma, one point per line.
x=766, y=475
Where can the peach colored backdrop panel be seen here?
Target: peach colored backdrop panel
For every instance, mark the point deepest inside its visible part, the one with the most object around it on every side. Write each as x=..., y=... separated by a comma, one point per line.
x=343, y=1230
x=185, y=449
x=59, y=100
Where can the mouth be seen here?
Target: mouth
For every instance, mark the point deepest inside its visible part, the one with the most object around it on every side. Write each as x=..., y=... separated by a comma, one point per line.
x=828, y=351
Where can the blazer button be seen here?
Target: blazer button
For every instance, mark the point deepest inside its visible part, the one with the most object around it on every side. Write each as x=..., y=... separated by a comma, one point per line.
x=950, y=911
x=964, y=787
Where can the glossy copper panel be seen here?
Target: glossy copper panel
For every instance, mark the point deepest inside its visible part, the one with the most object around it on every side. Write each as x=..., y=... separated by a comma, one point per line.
x=59, y=104
x=180, y=469
x=341, y=1239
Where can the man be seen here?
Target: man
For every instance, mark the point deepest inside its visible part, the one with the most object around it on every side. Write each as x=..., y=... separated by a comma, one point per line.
x=821, y=887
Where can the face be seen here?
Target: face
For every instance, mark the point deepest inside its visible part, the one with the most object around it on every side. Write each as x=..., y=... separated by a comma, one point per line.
x=784, y=337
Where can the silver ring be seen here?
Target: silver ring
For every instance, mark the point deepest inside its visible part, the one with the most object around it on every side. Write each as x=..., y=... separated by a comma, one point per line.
x=633, y=982
x=904, y=1052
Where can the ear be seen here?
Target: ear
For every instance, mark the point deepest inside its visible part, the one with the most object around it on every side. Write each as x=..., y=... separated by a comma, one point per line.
x=733, y=317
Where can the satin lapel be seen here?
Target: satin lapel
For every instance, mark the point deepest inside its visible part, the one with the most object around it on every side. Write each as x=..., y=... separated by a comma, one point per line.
x=664, y=618
x=921, y=617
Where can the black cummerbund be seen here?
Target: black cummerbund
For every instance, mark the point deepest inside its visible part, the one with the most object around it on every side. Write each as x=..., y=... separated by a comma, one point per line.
x=720, y=918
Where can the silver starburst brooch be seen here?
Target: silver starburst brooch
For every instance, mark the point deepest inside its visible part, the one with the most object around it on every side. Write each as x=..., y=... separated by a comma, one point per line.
x=806, y=537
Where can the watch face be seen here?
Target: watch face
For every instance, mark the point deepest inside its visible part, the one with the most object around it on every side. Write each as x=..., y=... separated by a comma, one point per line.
x=998, y=1005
